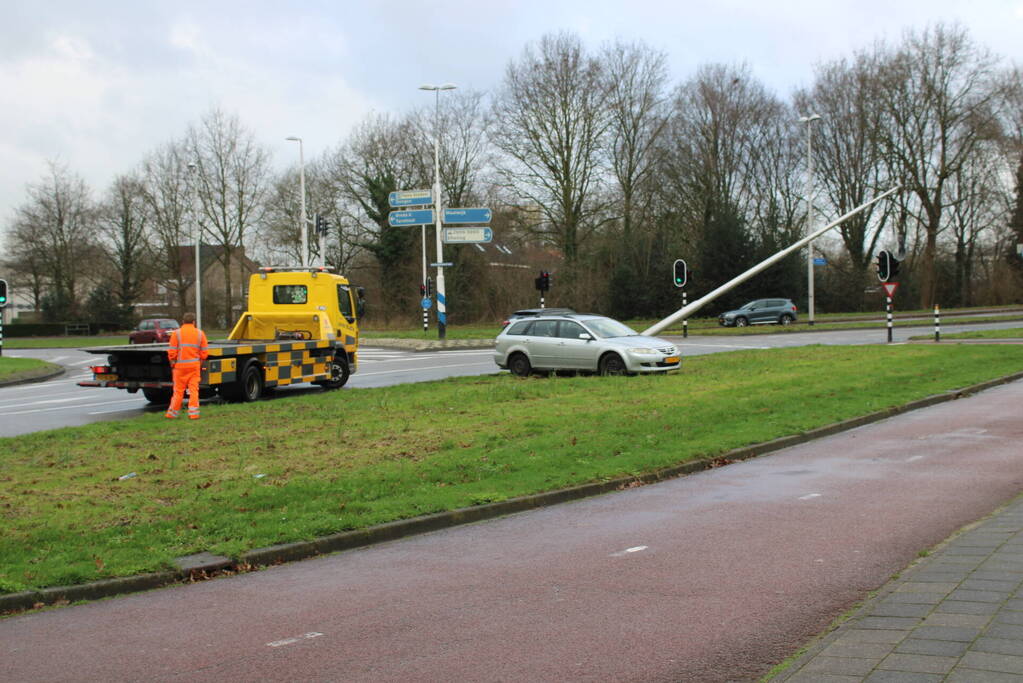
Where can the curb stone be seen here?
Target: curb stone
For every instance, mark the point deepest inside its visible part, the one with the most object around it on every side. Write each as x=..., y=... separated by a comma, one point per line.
x=204, y=564
x=46, y=374
x=418, y=345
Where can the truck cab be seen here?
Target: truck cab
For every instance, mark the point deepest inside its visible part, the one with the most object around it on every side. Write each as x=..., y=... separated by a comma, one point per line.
x=300, y=304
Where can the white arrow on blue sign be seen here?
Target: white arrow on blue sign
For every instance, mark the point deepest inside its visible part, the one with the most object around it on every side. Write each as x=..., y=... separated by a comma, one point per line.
x=410, y=198
x=397, y=219
x=467, y=235
x=476, y=215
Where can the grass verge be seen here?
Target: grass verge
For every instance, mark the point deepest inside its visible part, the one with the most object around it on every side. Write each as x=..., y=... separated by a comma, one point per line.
x=249, y=476
x=16, y=369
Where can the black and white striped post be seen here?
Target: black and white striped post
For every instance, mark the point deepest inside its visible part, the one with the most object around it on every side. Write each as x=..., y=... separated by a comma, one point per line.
x=888, y=312
x=937, y=323
x=685, y=321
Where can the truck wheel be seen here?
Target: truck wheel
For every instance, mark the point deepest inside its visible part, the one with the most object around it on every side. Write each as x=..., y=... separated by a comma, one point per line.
x=248, y=387
x=158, y=396
x=339, y=373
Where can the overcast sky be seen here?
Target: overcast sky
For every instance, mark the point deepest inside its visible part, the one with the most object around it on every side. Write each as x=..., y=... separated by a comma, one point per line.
x=98, y=84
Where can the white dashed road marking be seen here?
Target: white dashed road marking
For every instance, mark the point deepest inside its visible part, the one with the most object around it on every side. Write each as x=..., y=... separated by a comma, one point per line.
x=296, y=639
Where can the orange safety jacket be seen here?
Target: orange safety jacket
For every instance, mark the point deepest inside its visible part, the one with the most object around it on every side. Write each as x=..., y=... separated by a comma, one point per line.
x=187, y=346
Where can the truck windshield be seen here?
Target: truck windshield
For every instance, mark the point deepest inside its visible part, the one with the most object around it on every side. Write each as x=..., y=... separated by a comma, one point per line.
x=290, y=294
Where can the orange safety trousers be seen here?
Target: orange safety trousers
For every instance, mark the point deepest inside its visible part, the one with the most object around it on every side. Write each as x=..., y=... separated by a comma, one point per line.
x=188, y=349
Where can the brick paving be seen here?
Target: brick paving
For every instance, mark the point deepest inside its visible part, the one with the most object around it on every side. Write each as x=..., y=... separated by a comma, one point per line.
x=956, y=615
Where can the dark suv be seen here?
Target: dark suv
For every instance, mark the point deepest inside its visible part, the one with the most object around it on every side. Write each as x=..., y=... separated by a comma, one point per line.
x=533, y=312
x=760, y=312
x=153, y=331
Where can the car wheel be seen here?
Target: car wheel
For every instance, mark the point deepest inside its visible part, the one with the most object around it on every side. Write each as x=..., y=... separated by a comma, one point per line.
x=612, y=364
x=519, y=365
x=741, y=322
x=786, y=319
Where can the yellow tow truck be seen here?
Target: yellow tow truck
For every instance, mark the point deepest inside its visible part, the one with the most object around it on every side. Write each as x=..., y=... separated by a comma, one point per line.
x=302, y=325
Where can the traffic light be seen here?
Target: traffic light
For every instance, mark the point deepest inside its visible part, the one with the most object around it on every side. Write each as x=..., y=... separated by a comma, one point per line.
x=680, y=275
x=543, y=283
x=422, y=290
x=893, y=269
x=3, y=293
x=321, y=225
x=884, y=266
x=429, y=286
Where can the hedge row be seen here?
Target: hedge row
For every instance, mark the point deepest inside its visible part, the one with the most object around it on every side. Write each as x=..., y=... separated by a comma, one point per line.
x=58, y=329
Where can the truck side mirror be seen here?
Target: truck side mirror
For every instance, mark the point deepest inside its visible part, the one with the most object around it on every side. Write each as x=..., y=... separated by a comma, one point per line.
x=360, y=306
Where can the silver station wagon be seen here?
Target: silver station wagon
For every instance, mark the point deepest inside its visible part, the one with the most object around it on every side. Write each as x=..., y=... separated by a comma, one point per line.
x=584, y=343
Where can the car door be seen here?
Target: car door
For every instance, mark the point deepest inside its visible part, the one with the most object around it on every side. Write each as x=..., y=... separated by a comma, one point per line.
x=145, y=335
x=761, y=312
x=543, y=343
x=574, y=352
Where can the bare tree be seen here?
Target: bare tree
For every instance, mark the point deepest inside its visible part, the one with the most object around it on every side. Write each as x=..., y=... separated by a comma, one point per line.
x=550, y=120
x=169, y=196
x=938, y=97
x=59, y=220
x=124, y=230
x=233, y=178
x=460, y=121
x=848, y=156
x=724, y=166
x=378, y=158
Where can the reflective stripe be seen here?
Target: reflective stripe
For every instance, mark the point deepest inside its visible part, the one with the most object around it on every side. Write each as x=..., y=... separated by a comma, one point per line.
x=187, y=360
x=194, y=346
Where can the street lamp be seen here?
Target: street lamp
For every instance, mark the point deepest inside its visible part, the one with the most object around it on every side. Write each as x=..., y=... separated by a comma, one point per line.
x=441, y=301
x=808, y=120
x=194, y=172
x=301, y=189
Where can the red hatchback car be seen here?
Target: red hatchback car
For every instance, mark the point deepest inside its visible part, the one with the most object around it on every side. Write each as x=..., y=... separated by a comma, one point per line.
x=153, y=331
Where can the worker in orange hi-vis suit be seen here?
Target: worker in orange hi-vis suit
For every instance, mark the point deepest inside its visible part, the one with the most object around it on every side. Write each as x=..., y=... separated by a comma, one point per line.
x=188, y=349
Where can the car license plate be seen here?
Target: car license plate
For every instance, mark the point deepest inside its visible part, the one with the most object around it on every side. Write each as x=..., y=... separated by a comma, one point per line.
x=671, y=359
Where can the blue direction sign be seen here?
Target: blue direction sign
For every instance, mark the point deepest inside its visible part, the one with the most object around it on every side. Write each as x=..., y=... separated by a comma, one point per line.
x=461, y=216
x=426, y=303
x=467, y=235
x=410, y=198
x=818, y=261
x=397, y=219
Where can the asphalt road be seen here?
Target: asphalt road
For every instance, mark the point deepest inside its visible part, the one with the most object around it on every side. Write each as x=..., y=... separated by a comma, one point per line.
x=711, y=577
x=61, y=403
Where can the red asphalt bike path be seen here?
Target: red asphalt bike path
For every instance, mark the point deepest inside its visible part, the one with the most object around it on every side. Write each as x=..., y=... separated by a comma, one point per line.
x=712, y=577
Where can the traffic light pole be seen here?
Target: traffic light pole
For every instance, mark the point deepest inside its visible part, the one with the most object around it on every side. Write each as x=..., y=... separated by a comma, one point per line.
x=688, y=310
